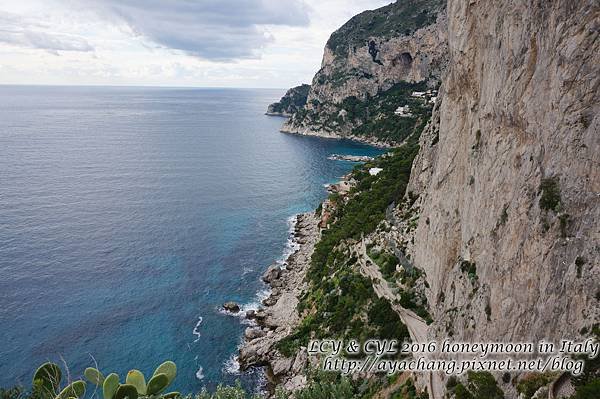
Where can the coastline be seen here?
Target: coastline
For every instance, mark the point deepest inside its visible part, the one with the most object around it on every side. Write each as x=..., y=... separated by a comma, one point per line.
x=327, y=135
x=277, y=316
x=335, y=136
x=278, y=114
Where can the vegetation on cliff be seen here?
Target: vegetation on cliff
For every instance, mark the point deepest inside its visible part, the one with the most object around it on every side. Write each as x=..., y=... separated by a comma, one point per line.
x=397, y=19
x=479, y=385
x=340, y=301
x=375, y=116
x=292, y=101
x=325, y=385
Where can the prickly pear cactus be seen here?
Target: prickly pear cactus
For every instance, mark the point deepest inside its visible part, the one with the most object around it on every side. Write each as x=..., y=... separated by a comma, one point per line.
x=126, y=391
x=46, y=379
x=110, y=386
x=76, y=390
x=137, y=379
x=94, y=376
x=168, y=368
x=157, y=384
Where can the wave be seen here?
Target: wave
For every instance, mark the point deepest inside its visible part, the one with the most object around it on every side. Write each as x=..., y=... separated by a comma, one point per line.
x=255, y=304
x=291, y=244
x=196, y=332
x=231, y=365
x=200, y=373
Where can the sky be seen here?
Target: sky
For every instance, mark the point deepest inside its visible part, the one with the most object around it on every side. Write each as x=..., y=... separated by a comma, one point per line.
x=196, y=43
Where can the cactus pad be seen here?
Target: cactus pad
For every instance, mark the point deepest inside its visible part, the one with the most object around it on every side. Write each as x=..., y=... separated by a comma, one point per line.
x=75, y=389
x=168, y=368
x=94, y=376
x=110, y=386
x=47, y=379
x=136, y=378
x=157, y=384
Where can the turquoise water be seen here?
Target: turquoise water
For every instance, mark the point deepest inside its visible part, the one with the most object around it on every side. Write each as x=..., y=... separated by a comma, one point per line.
x=127, y=214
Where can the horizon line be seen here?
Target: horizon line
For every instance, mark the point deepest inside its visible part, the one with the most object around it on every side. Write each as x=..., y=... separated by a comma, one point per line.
x=139, y=86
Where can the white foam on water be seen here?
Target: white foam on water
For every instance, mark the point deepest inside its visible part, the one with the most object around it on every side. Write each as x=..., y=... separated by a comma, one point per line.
x=232, y=366
x=254, y=305
x=291, y=245
x=200, y=373
x=196, y=332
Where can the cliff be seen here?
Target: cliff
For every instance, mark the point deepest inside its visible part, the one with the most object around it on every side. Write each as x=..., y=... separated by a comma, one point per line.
x=404, y=42
x=491, y=233
x=294, y=99
x=508, y=175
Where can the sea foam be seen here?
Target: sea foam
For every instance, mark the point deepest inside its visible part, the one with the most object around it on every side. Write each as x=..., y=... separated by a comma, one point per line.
x=195, y=331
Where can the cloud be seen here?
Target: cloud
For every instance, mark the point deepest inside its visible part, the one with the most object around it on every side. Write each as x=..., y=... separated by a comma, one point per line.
x=18, y=31
x=274, y=43
x=215, y=30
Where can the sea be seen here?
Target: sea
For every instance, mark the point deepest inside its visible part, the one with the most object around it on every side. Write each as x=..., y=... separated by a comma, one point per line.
x=129, y=215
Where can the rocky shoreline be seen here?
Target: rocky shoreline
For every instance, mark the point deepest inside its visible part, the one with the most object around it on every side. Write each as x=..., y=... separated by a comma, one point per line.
x=278, y=316
x=281, y=114
x=332, y=135
x=350, y=158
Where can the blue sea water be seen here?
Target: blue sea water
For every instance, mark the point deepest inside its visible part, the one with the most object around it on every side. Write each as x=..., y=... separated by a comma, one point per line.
x=129, y=215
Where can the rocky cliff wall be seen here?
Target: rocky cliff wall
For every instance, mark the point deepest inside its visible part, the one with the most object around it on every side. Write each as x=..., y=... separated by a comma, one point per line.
x=509, y=174
x=402, y=42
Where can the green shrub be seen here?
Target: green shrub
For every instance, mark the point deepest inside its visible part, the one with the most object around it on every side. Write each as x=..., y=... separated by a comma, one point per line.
x=452, y=382
x=587, y=385
x=460, y=392
x=529, y=385
x=387, y=263
x=341, y=389
x=483, y=386
x=470, y=268
x=550, y=199
x=588, y=391
x=19, y=392
x=224, y=392
x=579, y=263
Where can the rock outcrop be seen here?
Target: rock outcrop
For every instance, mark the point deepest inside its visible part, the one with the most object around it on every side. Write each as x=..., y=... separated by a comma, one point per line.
x=231, y=307
x=402, y=42
x=508, y=175
x=294, y=99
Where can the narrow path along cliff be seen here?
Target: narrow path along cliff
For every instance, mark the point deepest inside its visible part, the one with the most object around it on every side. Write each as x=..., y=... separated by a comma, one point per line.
x=417, y=327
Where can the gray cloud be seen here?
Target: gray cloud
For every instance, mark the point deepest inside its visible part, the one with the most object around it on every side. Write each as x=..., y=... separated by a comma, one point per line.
x=218, y=30
x=19, y=31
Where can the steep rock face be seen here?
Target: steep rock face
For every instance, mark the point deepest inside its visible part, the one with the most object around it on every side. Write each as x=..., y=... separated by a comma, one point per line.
x=509, y=174
x=402, y=42
x=294, y=99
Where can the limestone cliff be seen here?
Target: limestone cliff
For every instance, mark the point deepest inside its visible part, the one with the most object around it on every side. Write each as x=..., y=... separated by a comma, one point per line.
x=402, y=42
x=294, y=99
x=509, y=175
x=495, y=234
